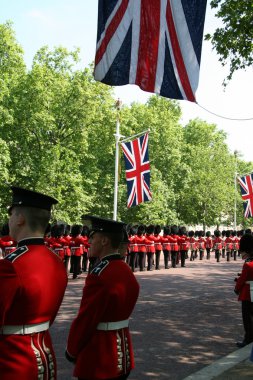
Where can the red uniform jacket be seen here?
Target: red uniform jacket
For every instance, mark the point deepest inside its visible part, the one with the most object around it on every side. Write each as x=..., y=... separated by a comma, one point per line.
x=150, y=245
x=242, y=287
x=158, y=242
x=132, y=245
x=209, y=242
x=192, y=243
x=184, y=243
x=109, y=295
x=140, y=240
x=165, y=240
x=229, y=243
x=32, y=282
x=217, y=243
x=174, y=242
x=76, y=245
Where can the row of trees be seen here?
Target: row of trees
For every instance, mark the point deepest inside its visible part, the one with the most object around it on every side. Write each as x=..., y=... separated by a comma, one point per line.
x=57, y=130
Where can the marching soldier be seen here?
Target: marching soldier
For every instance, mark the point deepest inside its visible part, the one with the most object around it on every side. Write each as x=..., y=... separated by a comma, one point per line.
x=158, y=246
x=174, y=245
x=201, y=244
x=208, y=244
x=133, y=249
x=29, y=297
x=223, y=238
x=140, y=240
x=228, y=244
x=85, y=238
x=166, y=246
x=76, y=248
x=183, y=244
x=217, y=244
x=235, y=244
x=192, y=245
x=150, y=245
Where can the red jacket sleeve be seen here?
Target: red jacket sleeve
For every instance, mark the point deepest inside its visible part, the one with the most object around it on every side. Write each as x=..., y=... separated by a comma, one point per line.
x=9, y=285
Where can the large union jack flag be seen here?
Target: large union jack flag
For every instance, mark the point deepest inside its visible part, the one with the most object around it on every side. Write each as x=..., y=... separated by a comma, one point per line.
x=155, y=44
x=137, y=170
x=246, y=185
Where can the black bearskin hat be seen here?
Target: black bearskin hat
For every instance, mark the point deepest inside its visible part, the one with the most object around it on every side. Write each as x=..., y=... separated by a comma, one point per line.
x=157, y=229
x=208, y=233
x=76, y=229
x=228, y=233
x=174, y=230
x=223, y=233
x=85, y=231
x=182, y=231
x=217, y=233
x=150, y=229
x=141, y=230
x=191, y=233
x=166, y=230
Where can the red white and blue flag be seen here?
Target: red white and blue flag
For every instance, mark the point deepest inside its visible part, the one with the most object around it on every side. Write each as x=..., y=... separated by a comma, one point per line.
x=246, y=185
x=155, y=44
x=137, y=170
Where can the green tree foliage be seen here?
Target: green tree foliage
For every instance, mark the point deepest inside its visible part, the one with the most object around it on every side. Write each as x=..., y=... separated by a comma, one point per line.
x=208, y=188
x=233, y=41
x=57, y=128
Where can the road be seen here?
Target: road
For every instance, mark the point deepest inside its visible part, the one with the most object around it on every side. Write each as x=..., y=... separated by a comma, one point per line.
x=185, y=319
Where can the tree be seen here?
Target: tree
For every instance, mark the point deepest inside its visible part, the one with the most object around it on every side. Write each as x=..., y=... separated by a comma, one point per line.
x=233, y=42
x=207, y=194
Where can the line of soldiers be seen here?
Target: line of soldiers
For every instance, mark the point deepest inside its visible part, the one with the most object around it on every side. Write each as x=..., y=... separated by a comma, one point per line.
x=147, y=244
x=143, y=245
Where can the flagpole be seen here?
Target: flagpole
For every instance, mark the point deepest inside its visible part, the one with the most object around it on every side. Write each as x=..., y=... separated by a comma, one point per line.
x=235, y=188
x=117, y=138
x=137, y=134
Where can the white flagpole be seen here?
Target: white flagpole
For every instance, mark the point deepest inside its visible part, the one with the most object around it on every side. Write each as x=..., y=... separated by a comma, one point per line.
x=235, y=190
x=117, y=138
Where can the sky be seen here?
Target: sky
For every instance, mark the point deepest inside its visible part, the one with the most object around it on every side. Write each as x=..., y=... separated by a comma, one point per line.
x=74, y=24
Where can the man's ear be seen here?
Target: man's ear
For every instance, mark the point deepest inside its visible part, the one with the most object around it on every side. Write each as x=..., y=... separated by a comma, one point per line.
x=105, y=240
x=20, y=218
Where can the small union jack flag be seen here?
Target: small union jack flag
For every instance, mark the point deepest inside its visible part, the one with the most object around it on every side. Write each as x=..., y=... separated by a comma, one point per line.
x=155, y=44
x=137, y=170
x=246, y=185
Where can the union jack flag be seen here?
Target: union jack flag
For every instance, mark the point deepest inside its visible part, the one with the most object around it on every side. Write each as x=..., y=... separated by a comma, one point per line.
x=155, y=44
x=137, y=170
x=246, y=185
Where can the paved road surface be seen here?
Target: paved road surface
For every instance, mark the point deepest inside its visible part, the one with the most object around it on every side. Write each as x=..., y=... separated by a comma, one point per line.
x=185, y=319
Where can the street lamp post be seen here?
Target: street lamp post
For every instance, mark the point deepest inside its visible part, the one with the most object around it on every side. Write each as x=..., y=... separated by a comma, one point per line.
x=117, y=138
x=235, y=189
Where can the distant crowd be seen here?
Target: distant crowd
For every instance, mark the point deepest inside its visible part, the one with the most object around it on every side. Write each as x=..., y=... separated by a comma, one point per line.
x=142, y=248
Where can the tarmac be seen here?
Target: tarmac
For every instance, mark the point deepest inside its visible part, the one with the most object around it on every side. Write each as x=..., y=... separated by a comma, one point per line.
x=184, y=326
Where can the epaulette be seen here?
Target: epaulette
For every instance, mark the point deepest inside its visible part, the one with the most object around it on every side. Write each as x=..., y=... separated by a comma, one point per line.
x=16, y=254
x=100, y=267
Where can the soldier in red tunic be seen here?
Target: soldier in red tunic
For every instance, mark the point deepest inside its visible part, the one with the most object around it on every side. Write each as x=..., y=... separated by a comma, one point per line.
x=99, y=341
x=29, y=297
x=244, y=288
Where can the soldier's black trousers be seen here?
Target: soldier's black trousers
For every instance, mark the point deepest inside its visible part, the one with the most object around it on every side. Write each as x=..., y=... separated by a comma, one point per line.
x=247, y=318
x=174, y=256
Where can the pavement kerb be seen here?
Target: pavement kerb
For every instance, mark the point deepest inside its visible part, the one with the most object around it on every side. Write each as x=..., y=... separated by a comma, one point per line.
x=223, y=364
